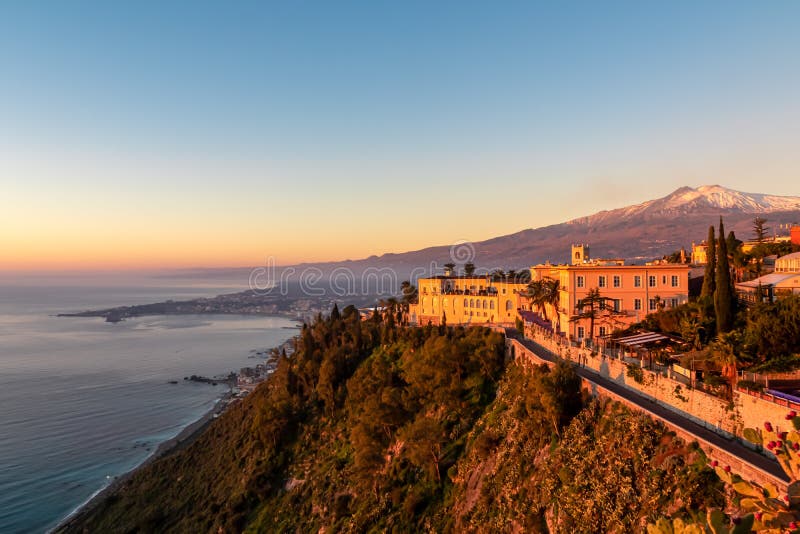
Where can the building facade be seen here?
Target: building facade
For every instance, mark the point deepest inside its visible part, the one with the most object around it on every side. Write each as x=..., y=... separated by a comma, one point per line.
x=629, y=293
x=699, y=253
x=466, y=300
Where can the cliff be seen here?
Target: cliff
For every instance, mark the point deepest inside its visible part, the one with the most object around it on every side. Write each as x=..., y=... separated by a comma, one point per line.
x=375, y=427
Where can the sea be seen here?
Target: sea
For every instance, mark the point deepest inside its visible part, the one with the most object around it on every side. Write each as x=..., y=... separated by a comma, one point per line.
x=83, y=401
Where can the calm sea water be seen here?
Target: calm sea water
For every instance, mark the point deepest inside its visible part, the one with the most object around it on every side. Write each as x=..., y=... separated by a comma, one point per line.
x=82, y=400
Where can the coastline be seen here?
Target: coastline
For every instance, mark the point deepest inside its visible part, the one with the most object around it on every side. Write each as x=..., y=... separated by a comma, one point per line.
x=183, y=439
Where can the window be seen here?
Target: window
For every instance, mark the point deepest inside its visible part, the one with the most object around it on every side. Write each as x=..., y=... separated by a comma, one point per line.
x=674, y=303
x=509, y=305
x=579, y=281
x=637, y=281
x=581, y=332
x=471, y=303
x=602, y=330
x=653, y=304
x=466, y=303
x=664, y=279
x=651, y=281
x=637, y=304
x=617, y=304
x=617, y=281
x=491, y=305
x=675, y=280
x=601, y=281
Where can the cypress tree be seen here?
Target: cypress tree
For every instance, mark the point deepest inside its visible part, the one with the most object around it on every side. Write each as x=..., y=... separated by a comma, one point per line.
x=723, y=296
x=711, y=251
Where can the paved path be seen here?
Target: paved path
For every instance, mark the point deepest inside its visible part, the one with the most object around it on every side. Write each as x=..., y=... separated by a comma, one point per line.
x=733, y=447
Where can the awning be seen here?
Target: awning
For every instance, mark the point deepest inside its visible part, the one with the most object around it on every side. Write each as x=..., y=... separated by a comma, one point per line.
x=641, y=340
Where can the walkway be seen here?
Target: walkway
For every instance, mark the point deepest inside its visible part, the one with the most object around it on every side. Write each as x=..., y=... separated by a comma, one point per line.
x=732, y=447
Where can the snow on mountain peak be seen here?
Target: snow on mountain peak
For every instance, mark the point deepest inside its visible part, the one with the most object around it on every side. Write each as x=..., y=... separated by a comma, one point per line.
x=703, y=199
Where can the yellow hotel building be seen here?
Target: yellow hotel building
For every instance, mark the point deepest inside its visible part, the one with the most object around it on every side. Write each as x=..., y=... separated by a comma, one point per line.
x=466, y=300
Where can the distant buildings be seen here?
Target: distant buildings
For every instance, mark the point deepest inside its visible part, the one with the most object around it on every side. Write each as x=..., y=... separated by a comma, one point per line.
x=700, y=253
x=785, y=280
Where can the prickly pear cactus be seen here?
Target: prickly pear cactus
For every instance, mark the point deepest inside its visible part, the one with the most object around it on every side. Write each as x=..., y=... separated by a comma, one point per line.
x=766, y=510
x=715, y=522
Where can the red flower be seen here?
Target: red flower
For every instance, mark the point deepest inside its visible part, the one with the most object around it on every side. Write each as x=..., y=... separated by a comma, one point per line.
x=771, y=445
x=779, y=445
x=768, y=426
x=782, y=435
x=727, y=469
x=714, y=463
x=759, y=515
x=796, y=446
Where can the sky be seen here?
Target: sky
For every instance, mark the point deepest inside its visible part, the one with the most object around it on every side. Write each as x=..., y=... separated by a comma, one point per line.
x=138, y=135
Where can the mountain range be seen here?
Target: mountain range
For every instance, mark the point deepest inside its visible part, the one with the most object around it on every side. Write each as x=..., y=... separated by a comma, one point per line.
x=636, y=233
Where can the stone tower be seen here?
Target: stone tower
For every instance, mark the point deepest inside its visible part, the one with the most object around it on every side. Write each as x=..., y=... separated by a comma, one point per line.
x=580, y=254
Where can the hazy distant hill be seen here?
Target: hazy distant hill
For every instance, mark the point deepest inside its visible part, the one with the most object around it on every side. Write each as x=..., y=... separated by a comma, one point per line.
x=642, y=231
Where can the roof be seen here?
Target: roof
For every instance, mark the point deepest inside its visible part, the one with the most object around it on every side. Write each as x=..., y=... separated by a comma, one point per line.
x=792, y=256
x=771, y=279
x=588, y=266
x=642, y=339
x=535, y=318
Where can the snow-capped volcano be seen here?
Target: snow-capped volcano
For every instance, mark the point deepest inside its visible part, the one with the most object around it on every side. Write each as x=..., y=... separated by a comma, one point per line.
x=709, y=199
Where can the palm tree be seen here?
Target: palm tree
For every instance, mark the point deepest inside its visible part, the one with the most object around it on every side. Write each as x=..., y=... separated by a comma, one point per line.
x=536, y=292
x=589, y=307
x=552, y=297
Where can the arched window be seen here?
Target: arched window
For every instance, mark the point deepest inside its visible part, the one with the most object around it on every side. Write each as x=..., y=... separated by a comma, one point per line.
x=465, y=303
x=471, y=303
x=484, y=305
x=491, y=305
x=509, y=305
x=424, y=303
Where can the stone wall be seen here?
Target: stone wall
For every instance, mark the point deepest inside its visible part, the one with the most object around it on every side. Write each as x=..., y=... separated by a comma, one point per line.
x=696, y=405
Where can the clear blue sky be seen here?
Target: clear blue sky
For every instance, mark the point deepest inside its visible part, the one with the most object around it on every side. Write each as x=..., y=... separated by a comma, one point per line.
x=230, y=131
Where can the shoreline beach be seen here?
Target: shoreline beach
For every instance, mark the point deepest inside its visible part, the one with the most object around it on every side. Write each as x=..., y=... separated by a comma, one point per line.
x=183, y=439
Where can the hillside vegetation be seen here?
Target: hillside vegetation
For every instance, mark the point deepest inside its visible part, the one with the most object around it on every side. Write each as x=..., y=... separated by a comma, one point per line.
x=374, y=427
